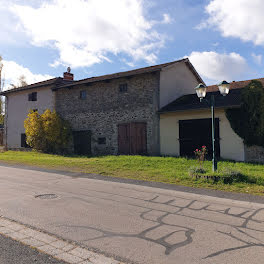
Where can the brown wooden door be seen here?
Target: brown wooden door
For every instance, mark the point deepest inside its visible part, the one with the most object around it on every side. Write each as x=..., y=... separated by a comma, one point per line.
x=124, y=139
x=138, y=139
x=132, y=139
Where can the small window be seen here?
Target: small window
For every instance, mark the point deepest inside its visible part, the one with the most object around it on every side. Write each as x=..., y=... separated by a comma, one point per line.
x=102, y=141
x=82, y=95
x=32, y=96
x=123, y=88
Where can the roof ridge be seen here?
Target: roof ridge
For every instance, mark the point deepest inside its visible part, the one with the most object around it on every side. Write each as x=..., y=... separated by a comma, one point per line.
x=142, y=68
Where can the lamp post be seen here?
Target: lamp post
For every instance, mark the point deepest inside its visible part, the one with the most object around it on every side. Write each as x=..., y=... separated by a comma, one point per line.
x=223, y=87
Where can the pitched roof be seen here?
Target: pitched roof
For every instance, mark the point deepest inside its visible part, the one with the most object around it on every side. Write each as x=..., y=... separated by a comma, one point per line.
x=61, y=83
x=192, y=102
x=134, y=72
x=58, y=81
x=235, y=85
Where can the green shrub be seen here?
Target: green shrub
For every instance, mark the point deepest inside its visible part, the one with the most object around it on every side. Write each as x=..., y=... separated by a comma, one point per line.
x=248, y=120
x=196, y=171
x=229, y=176
x=226, y=176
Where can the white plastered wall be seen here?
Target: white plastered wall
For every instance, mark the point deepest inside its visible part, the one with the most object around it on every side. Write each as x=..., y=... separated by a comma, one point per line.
x=231, y=145
x=176, y=80
x=18, y=108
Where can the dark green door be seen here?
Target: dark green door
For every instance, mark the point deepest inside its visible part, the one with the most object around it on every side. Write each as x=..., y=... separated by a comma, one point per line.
x=196, y=133
x=82, y=142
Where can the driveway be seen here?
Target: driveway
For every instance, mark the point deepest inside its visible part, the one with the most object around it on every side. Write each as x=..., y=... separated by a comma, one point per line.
x=136, y=224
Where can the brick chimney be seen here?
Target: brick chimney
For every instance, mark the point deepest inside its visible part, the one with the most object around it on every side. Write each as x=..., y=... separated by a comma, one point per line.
x=68, y=75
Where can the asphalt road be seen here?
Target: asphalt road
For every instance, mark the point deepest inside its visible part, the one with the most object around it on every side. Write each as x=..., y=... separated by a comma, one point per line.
x=13, y=252
x=138, y=224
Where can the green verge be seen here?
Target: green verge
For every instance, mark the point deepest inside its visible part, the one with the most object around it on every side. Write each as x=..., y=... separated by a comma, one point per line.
x=160, y=169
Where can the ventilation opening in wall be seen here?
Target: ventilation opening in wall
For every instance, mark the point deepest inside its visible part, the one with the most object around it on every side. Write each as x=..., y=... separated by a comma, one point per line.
x=101, y=140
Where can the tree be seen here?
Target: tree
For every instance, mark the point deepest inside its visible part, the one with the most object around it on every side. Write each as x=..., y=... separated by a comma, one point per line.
x=47, y=132
x=34, y=131
x=1, y=70
x=248, y=120
x=21, y=82
x=1, y=88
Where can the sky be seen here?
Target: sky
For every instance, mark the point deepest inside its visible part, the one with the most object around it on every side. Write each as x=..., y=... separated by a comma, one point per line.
x=224, y=39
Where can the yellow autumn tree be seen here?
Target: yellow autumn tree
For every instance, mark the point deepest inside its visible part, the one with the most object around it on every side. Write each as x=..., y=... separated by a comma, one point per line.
x=34, y=131
x=47, y=132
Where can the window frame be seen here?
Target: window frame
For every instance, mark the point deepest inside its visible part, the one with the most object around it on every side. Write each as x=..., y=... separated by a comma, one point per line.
x=123, y=87
x=83, y=95
x=33, y=97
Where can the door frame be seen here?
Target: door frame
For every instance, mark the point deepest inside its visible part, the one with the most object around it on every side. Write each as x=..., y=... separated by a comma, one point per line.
x=132, y=128
x=217, y=135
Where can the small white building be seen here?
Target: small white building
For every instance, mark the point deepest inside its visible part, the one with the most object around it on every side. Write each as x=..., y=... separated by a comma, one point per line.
x=20, y=101
x=185, y=125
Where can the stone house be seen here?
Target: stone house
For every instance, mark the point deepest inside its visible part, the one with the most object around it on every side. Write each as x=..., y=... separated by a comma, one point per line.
x=111, y=114
x=151, y=111
x=118, y=113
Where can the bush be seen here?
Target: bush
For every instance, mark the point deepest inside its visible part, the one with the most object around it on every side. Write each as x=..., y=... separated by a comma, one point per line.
x=200, y=155
x=196, y=171
x=229, y=176
x=47, y=132
x=248, y=120
x=226, y=176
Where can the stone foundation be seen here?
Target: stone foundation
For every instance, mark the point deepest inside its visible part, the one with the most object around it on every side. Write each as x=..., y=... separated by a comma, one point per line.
x=254, y=154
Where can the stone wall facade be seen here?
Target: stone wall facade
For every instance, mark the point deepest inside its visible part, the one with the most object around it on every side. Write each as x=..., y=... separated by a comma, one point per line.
x=105, y=107
x=254, y=154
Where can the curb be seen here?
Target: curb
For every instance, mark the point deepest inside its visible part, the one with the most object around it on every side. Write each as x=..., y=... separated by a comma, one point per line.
x=51, y=245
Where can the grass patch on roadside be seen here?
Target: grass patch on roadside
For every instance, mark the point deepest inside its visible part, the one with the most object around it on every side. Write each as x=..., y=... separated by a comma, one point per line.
x=160, y=169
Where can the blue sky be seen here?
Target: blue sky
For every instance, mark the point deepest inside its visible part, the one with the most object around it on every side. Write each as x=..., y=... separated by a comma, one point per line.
x=40, y=39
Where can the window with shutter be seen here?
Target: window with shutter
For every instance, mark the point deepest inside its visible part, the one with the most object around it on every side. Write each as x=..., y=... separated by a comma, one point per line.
x=123, y=88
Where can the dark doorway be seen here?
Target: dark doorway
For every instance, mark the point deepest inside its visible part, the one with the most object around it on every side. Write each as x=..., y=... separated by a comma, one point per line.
x=196, y=133
x=82, y=142
x=24, y=141
x=132, y=139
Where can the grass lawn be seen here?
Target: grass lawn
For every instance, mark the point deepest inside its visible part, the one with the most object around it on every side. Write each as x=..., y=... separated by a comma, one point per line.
x=160, y=169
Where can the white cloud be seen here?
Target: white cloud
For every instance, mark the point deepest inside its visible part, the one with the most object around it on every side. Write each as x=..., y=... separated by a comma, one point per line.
x=12, y=71
x=257, y=58
x=237, y=18
x=85, y=32
x=167, y=19
x=217, y=67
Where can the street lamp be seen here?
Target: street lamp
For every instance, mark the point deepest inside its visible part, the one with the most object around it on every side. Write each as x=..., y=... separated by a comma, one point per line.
x=224, y=88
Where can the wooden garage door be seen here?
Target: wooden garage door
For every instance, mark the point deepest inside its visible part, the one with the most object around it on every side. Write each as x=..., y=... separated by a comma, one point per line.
x=196, y=133
x=82, y=142
x=132, y=139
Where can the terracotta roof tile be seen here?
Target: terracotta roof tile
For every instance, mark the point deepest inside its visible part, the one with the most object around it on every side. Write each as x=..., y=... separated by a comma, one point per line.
x=234, y=85
x=135, y=72
x=58, y=81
